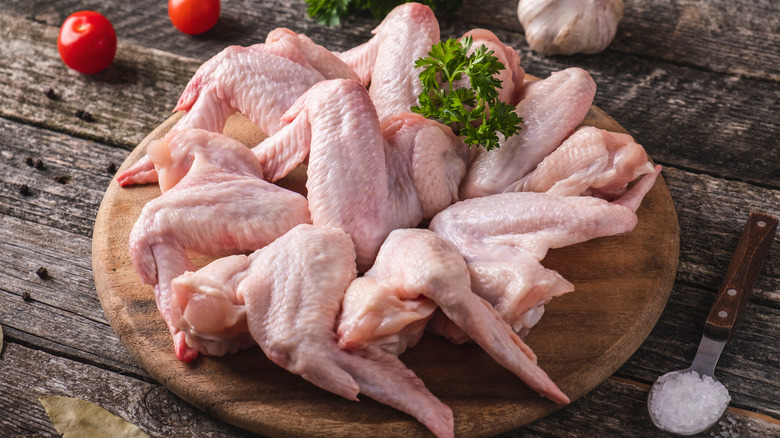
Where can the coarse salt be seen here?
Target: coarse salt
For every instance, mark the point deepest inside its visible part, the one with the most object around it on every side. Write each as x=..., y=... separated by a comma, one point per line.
x=728, y=428
x=686, y=403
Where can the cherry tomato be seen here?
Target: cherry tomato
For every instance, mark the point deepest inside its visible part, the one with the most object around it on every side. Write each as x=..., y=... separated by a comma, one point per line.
x=87, y=42
x=193, y=16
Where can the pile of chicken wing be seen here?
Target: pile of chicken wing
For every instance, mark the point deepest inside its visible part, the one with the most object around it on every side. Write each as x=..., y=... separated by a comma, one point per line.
x=403, y=228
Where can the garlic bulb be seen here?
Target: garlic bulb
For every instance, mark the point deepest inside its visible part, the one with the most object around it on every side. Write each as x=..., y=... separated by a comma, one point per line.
x=566, y=27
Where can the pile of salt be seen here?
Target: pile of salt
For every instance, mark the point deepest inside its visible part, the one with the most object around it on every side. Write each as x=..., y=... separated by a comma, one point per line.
x=686, y=403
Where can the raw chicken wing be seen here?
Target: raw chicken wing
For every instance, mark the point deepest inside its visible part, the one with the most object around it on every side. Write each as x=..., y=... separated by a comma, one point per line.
x=591, y=161
x=207, y=309
x=551, y=109
x=386, y=61
x=323, y=60
x=504, y=237
x=289, y=294
x=413, y=267
x=260, y=81
x=211, y=211
x=365, y=178
x=424, y=156
x=175, y=154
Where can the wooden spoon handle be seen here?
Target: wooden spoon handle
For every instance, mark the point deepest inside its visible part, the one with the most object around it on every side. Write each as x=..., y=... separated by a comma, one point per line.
x=741, y=276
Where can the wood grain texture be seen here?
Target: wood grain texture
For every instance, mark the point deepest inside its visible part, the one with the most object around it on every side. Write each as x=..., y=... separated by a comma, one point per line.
x=723, y=206
x=157, y=411
x=628, y=402
x=50, y=226
x=730, y=122
x=162, y=414
x=692, y=80
x=735, y=38
x=140, y=81
x=581, y=340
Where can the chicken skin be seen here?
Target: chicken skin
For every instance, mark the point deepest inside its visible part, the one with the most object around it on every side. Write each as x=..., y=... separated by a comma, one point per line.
x=414, y=267
x=551, y=109
x=260, y=81
x=365, y=177
x=504, y=237
x=591, y=162
x=289, y=296
x=221, y=206
x=385, y=63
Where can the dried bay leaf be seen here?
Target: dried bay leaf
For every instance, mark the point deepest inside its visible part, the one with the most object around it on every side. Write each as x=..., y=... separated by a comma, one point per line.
x=73, y=418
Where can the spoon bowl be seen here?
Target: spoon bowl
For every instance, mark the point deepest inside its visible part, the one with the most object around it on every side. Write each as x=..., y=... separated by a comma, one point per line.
x=700, y=402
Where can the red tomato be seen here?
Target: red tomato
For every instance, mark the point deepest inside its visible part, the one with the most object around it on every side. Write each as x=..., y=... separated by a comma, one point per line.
x=87, y=42
x=193, y=16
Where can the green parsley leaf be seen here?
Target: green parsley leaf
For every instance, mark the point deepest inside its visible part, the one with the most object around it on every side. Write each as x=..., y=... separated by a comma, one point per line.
x=328, y=12
x=333, y=12
x=475, y=112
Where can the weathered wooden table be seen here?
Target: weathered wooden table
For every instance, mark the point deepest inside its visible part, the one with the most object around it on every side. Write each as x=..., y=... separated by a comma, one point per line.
x=697, y=83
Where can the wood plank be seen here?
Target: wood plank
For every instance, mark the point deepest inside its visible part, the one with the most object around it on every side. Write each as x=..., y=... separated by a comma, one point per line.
x=736, y=38
x=160, y=413
x=732, y=37
x=29, y=374
x=66, y=192
x=125, y=101
x=707, y=118
x=711, y=213
x=61, y=313
x=51, y=226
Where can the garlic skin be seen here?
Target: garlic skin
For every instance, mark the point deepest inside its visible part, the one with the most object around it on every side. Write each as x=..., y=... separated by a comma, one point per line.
x=566, y=27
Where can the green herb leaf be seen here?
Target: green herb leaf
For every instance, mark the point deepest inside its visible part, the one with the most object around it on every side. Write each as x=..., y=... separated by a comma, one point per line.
x=328, y=12
x=333, y=12
x=475, y=112
x=77, y=418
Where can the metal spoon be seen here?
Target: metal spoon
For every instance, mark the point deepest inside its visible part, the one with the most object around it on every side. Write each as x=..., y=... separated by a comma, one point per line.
x=732, y=296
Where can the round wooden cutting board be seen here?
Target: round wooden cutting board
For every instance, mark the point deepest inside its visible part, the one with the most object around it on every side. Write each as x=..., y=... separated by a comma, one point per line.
x=622, y=285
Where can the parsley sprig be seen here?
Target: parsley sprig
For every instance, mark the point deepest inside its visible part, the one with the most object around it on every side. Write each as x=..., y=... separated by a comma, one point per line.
x=334, y=12
x=476, y=112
